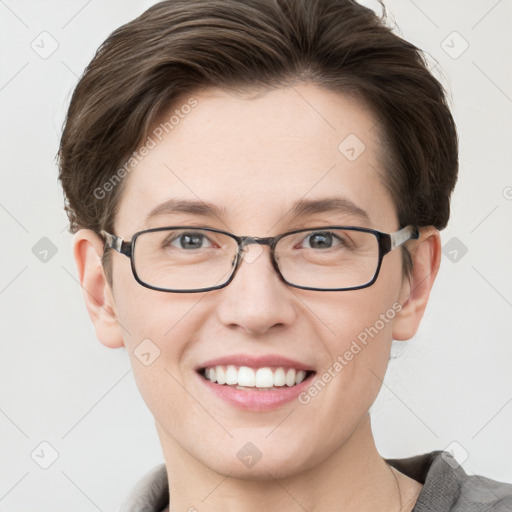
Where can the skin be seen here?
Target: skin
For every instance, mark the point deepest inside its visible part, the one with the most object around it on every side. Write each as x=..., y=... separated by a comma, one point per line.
x=255, y=155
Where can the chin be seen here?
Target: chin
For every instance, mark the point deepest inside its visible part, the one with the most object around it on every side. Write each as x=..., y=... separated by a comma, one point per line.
x=251, y=463
x=261, y=471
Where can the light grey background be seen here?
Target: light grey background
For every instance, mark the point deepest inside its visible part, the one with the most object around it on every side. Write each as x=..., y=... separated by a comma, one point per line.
x=450, y=387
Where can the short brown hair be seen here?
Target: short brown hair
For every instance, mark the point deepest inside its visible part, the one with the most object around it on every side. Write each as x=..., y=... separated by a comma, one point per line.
x=178, y=47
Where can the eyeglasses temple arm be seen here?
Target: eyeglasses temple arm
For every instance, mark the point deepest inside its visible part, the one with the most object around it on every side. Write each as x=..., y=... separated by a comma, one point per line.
x=116, y=243
x=401, y=236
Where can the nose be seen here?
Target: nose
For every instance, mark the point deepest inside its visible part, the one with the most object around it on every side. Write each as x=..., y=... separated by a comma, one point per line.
x=256, y=300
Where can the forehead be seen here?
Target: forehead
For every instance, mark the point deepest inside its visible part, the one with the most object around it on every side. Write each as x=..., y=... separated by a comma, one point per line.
x=255, y=156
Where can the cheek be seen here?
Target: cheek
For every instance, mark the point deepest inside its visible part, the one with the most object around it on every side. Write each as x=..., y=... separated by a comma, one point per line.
x=146, y=314
x=157, y=327
x=358, y=335
x=361, y=321
x=358, y=345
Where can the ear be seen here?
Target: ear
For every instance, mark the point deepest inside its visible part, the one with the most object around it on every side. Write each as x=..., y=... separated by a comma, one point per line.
x=426, y=258
x=99, y=300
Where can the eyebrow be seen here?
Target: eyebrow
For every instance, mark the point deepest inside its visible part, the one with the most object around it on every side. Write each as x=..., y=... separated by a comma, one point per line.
x=305, y=207
x=301, y=208
x=198, y=208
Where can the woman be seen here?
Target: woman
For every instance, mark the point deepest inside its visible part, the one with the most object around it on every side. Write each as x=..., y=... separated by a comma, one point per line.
x=256, y=190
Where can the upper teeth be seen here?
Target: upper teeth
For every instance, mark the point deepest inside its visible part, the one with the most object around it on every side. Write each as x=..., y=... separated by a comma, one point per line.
x=249, y=377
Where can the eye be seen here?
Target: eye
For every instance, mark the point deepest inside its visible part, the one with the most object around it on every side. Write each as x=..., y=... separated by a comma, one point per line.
x=323, y=240
x=187, y=241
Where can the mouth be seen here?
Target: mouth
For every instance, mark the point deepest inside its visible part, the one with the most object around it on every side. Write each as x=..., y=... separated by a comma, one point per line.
x=266, y=378
x=254, y=383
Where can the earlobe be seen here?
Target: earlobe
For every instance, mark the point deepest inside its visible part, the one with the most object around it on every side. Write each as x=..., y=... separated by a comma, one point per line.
x=426, y=256
x=88, y=250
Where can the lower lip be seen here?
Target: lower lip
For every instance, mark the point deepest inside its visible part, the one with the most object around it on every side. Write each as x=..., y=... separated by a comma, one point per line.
x=254, y=400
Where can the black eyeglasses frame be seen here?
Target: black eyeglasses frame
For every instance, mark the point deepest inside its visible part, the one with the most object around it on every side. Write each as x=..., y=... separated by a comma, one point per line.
x=386, y=242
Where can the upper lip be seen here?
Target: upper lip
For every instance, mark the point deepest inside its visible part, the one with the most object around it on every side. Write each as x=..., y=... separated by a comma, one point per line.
x=255, y=362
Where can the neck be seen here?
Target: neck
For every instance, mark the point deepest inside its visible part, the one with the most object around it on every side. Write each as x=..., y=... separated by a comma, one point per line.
x=353, y=478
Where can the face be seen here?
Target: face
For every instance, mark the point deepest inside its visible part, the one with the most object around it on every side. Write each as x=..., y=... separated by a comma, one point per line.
x=253, y=157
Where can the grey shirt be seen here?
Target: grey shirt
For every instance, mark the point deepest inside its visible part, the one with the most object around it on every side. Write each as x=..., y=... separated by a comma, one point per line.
x=446, y=487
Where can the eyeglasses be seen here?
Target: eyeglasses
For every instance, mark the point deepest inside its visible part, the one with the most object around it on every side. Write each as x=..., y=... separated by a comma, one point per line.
x=185, y=259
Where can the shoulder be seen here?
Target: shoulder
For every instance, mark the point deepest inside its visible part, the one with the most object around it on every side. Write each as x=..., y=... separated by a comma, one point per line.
x=448, y=488
x=150, y=493
x=483, y=494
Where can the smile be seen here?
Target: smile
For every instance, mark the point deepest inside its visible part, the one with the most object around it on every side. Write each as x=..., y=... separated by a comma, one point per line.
x=245, y=377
